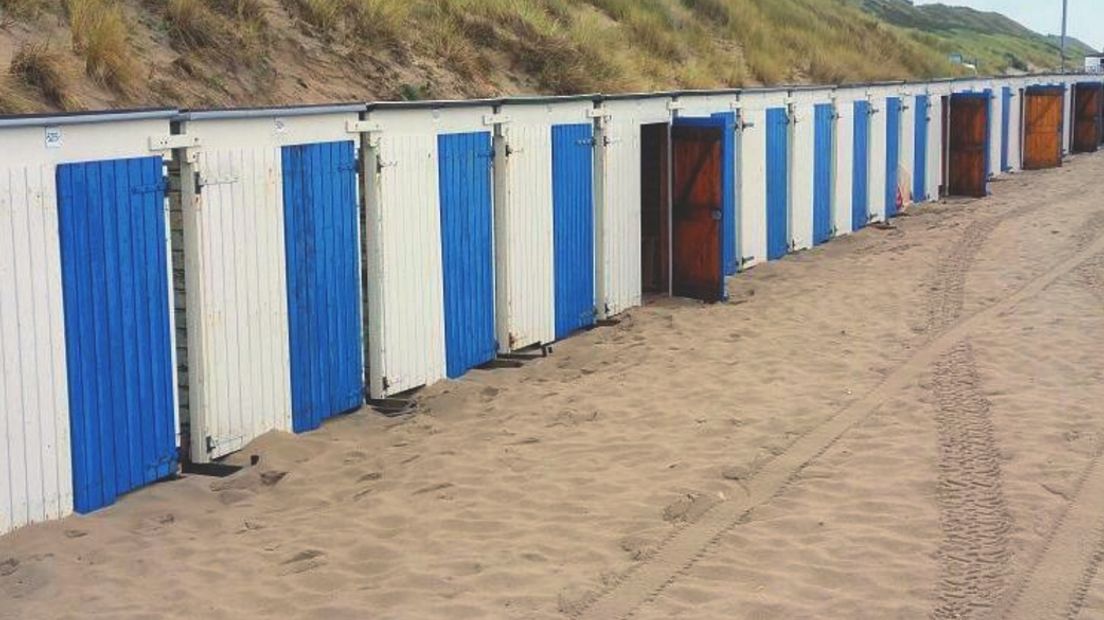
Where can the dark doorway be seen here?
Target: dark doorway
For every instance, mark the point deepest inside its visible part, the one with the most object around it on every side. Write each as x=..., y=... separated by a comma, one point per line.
x=1043, y=127
x=655, y=209
x=697, y=208
x=944, y=119
x=968, y=151
x=1088, y=105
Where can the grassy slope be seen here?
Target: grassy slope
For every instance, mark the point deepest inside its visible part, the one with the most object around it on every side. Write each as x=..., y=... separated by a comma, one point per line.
x=68, y=54
x=997, y=43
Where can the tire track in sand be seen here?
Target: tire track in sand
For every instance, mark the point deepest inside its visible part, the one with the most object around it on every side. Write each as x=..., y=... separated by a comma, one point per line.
x=1057, y=581
x=679, y=552
x=974, y=515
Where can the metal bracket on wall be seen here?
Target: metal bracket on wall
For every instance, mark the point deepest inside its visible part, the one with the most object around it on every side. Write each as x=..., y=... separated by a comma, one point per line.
x=362, y=127
x=188, y=144
x=496, y=119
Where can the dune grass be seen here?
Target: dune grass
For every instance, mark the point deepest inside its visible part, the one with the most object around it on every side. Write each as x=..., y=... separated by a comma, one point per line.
x=11, y=10
x=233, y=31
x=14, y=99
x=39, y=67
x=99, y=34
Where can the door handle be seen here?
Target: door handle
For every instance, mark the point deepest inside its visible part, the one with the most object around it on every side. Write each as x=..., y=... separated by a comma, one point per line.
x=717, y=214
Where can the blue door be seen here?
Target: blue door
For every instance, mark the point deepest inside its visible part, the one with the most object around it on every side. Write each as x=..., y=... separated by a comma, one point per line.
x=573, y=226
x=920, y=156
x=114, y=269
x=323, y=281
x=729, y=250
x=778, y=183
x=823, y=157
x=860, y=173
x=893, y=153
x=467, y=253
x=1006, y=112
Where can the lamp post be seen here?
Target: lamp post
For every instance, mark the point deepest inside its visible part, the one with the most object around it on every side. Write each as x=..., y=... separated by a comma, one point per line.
x=1065, y=12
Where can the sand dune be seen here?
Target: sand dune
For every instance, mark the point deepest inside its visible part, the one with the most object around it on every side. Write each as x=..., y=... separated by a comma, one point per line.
x=534, y=493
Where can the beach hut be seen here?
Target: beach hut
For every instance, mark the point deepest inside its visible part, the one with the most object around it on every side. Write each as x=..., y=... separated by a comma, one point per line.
x=633, y=190
x=853, y=158
x=764, y=175
x=429, y=242
x=719, y=109
x=702, y=195
x=544, y=219
x=813, y=166
x=1087, y=117
x=968, y=141
x=87, y=378
x=271, y=218
x=885, y=108
x=1043, y=122
x=917, y=131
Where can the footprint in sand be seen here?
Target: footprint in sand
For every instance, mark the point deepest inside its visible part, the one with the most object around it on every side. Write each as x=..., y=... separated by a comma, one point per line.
x=8, y=567
x=303, y=561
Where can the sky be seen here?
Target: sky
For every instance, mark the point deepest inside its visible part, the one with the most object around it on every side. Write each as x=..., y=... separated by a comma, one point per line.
x=1086, y=17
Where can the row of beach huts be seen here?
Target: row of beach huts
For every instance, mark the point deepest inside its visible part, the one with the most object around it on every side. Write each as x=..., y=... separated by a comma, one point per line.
x=174, y=284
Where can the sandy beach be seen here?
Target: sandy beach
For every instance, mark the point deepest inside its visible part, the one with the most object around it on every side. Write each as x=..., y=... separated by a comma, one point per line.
x=904, y=423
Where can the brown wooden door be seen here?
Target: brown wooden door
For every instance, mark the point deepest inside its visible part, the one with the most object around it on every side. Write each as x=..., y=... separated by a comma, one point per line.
x=1043, y=129
x=697, y=203
x=1086, y=118
x=969, y=126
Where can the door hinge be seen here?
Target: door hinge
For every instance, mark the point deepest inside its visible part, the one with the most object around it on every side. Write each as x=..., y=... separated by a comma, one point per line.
x=386, y=383
x=210, y=441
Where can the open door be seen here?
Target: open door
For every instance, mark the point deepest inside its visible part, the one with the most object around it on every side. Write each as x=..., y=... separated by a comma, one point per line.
x=1088, y=102
x=697, y=174
x=655, y=214
x=1043, y=127
x=968, y=151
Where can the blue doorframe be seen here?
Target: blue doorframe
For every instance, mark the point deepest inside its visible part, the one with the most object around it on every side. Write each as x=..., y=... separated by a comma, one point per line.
x=823, y=158
x=893, y=153
x=778, y=183
x=467, y=250
x=323, y=281
x=860, y=172
x=988, y=93
x=920, y=153
x=573, y=226
x=729, y=247
x=1006, y=112
x=115, y=289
